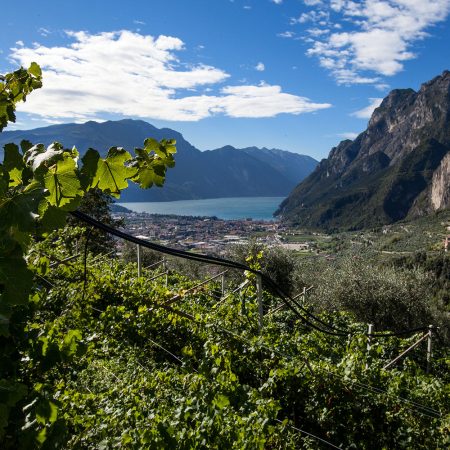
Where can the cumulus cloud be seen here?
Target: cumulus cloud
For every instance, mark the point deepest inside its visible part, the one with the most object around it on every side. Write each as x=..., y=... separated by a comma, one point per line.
x=277, y=2
x=366, y=113
x=134, y=75
x=372, y=38
x=260, y=67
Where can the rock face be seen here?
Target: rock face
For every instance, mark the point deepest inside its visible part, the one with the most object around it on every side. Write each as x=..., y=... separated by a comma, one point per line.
x=440, y=185
x=398, y=167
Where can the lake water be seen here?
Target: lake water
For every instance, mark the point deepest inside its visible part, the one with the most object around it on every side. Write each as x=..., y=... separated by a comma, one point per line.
x=258, y=208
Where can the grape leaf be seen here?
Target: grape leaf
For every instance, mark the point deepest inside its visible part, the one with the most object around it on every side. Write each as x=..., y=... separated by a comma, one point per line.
x=112, y=173
x=39, y=157
x=13, y=163
x=21, y=210
x=62, y=182
x=15, y=278
x=89, y=168
x=152, y=162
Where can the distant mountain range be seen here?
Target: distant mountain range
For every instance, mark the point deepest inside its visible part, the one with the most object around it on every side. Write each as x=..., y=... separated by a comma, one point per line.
x=224, y=172
x=399, y=167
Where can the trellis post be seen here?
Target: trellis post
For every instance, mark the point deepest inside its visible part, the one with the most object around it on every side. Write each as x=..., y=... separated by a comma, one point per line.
x=260, y=301
x=139, y=260
x=369, y=343
x=164, y=266
x=429, y=340
x=223, y=286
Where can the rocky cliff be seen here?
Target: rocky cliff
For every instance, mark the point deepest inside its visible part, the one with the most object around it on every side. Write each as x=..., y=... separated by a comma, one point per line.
x=398, y=167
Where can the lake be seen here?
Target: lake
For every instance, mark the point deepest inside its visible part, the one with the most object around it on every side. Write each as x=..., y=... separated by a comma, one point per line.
x=258, y=208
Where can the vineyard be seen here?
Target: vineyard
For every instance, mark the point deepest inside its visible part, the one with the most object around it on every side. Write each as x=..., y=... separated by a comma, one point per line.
x=96, y=357
x=118, y=370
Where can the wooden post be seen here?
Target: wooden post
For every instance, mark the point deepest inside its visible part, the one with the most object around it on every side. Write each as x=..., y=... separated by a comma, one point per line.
x=139, y=261
x=369, y=343
x=260, y=301
x=430, y=336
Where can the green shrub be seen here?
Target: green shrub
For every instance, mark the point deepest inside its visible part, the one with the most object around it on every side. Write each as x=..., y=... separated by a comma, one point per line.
x=388, y=297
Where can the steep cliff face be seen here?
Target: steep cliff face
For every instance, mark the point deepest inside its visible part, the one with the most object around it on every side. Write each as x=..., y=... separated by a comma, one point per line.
x=397, y=167
x=440, y=185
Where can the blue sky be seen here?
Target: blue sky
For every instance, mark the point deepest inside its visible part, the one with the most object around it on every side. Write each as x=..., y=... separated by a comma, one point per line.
x=299, y=75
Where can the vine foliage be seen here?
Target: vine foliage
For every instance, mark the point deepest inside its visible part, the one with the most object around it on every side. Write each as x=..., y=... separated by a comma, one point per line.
x=39, y=186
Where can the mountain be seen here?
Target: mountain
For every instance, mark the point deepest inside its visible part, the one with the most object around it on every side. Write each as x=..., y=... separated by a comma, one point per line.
x=223, y=172
x=398, y=167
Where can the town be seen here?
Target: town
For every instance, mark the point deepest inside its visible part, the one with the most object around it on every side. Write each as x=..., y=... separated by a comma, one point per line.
x=206, y=234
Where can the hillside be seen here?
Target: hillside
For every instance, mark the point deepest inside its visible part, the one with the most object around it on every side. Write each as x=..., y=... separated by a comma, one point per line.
x=397, y=168
x=224, y=172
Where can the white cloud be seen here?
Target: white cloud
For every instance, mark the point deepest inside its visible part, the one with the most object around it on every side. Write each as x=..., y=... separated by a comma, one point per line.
x=277, y=2
x=264, y=101
x=286, y=34
x=378, y=36
x=348, y=135
x=260, y=67
x=43, y=31
x=316, y=32
x=134, y=75
x=312, y=16
x=366, y=113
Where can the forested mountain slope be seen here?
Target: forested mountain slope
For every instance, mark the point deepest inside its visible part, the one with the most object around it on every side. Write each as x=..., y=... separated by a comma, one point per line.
x=398, y=167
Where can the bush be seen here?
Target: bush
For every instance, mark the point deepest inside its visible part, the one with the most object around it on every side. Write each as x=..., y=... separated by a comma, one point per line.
x=389, y=298
x=276, y=262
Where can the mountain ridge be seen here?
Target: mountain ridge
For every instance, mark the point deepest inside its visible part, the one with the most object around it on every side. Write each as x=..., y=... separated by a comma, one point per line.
x=392, y=170
x=223, y=172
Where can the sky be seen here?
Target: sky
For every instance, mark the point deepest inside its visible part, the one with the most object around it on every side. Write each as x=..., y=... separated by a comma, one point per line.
x=299, y=75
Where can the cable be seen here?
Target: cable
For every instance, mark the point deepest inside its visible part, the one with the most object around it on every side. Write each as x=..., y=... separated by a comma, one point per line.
x=207, y=259
x=287, y=299
x=398, y=333
x=311, y=435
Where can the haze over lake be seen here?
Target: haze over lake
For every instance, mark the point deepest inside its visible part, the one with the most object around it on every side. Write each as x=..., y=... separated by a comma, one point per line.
x=257, y=208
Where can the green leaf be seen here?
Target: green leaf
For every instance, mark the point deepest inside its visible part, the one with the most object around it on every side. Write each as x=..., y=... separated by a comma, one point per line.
x=15, y=277
x=13, y=163
x=152, y=162
x=39, y=157
x=35, y=70
x=21, y=210
x=70, y=344
x=25, y=145
x=62, y=183
x=89, y=169
x=112, y=173
x=52, y=219
x=46, y=412
x=221, y=401
x=4, y=180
